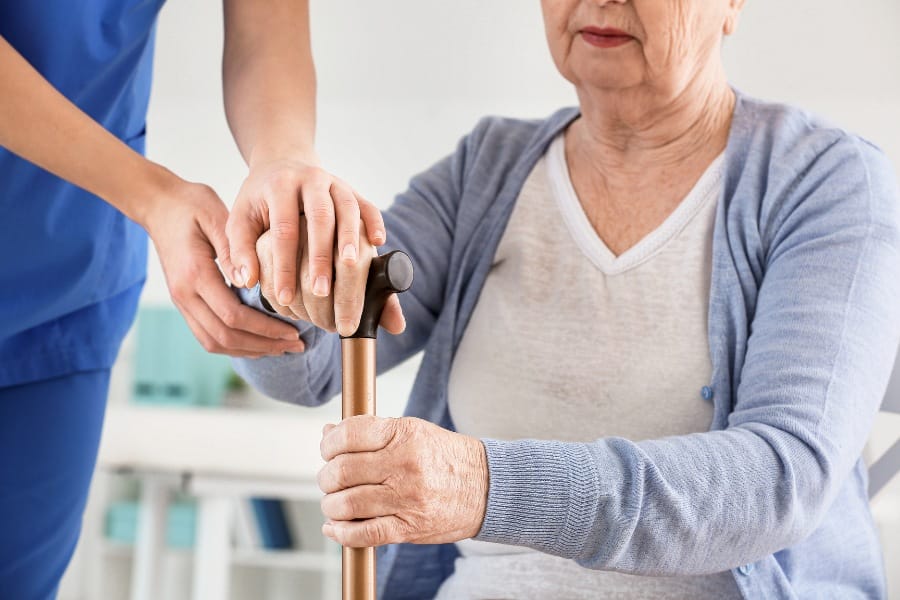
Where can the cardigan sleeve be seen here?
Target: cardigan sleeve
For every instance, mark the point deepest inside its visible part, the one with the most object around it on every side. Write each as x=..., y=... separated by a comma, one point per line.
x=818, y=358
x=420, y=222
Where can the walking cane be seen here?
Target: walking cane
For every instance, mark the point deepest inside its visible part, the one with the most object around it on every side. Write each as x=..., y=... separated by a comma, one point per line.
x=388, y=274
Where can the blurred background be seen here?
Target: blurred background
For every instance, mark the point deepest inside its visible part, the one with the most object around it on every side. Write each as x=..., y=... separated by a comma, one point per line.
x=203, y=485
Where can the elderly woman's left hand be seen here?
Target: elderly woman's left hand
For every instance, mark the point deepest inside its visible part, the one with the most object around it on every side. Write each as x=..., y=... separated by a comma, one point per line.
x=401, y=480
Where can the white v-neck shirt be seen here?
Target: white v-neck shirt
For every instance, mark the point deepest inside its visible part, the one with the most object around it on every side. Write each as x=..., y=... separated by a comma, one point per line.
x=570, y=342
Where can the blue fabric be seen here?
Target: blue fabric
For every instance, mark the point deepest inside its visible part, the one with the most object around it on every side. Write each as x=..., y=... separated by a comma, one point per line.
x=49, y=434
x=65, y=255
x=804, y=322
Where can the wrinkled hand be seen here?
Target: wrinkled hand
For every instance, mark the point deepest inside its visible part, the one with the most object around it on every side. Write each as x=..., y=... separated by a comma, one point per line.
x=188, y=230
x=341, y=309
x=389, y=481
x=272, y=198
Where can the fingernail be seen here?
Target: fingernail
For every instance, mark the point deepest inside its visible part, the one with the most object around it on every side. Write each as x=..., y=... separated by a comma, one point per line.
x=291, y=337
x=285, y=296
x=245, y=275
x=327, y=528
x=379, y=236
x=349, y=252
x=321, y=287
x=236, y=278
x=347, y=327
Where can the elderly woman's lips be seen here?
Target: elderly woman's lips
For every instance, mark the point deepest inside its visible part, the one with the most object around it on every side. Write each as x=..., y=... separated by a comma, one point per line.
x=604, y=38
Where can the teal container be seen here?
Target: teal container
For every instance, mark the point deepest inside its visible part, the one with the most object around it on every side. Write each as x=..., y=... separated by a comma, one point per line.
x=181, y=523
x=171, y=367
x=121, y=522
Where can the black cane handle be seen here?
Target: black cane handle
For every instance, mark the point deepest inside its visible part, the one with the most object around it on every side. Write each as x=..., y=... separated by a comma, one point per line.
x=388, y=274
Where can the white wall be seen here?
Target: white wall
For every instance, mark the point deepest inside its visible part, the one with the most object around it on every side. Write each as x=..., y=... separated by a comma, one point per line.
x=401, y=81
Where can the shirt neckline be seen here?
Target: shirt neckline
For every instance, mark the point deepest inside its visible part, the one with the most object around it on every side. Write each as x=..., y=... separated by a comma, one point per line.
x=591, y=244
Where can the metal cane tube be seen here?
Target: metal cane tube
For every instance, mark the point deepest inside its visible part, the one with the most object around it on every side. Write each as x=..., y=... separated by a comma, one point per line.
x=358, y=398
x=388, y=274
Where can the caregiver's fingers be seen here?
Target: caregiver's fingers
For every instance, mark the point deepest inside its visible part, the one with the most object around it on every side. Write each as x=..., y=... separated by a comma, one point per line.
x=361, y=502
x=346, y=215
x=272, y=198
x=231, y=327
x=255, y=330
x=349, y=470
x=363, y=433
x=370, y=532
x=205, y=339
x=219, y=337
x=350, y=285
x=284, y=223
x=318, y=207
x=245, y=225
x=372, y=219
x=297, y=308
x=213, y=227
x=319, y=309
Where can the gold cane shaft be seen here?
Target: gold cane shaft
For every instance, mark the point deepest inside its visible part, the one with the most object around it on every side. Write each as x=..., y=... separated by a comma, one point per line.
x=388, y=274
x=358, y=398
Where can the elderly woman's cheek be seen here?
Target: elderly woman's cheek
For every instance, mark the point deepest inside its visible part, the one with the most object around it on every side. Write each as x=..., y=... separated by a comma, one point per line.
x=557, y=14
x=691, y=32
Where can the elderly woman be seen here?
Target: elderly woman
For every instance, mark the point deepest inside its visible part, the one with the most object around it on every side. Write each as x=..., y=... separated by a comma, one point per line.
x=656, y=330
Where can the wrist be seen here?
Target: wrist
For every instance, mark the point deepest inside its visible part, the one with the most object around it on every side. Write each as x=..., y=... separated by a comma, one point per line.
x=154, y=187
x=265, y=154
x=480, y=485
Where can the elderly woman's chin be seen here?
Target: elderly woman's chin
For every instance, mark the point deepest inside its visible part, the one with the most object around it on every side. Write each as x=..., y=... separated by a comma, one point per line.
x=605, y=72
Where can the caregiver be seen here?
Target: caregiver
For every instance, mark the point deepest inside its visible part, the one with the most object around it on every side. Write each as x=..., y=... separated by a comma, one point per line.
x=74, y=86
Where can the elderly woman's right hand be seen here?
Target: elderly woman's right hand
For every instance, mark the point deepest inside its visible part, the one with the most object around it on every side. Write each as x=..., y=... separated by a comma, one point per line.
x=341, y=309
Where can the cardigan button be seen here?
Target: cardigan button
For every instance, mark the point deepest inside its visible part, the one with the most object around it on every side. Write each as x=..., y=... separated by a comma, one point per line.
x=707, y=392
x=745, y=569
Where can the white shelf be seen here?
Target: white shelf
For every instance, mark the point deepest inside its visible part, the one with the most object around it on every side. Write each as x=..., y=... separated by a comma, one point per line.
x=303, y=560
x=279, y=445
x=122, y=550
x=300, y=560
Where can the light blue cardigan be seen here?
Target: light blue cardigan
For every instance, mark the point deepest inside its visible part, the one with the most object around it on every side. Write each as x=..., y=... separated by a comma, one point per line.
x=804, y=321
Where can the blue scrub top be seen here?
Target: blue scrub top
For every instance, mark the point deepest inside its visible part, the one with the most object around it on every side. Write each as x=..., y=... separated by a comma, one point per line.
x=72, y=266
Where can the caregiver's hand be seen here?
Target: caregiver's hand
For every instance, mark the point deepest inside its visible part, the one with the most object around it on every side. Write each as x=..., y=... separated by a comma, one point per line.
x=185, y=220
x=272, y=198
x=187, y=226
x=389, y=481
x=339, y=310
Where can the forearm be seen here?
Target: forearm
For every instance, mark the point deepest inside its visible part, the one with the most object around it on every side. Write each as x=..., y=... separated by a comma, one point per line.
x=685, y=505
x=269, y=79
x=44, y=127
